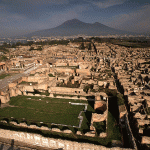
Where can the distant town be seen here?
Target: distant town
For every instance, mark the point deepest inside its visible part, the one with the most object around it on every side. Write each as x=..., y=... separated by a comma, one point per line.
x=39, y=38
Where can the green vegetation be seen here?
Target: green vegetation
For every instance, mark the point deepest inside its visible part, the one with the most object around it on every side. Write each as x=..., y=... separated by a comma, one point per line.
x=100, y=127
x=82, y=47
x=87, y=87
x=2, y=76
x=52, y=134
x=46, y=110
x=71, y=78
x=89, y=46
x=39, y=48
x=28, y=83
x=17, y=69
x=85, y=127
x=31, y=48
x=108, y=72
x=30, y=43
x=113, y=130
x=80, y=39
x=51, y=75
x=35, y=110
x=120, y=99
x=127, y=42
x=3, y=48
x=93, y=69
x=3, y=58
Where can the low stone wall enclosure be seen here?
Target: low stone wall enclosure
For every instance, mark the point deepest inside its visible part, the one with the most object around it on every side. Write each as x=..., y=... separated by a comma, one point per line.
x=35, y=139
x=42, y=84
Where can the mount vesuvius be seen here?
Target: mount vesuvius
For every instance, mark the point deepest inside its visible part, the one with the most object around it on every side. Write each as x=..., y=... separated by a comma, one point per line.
x=77, y=27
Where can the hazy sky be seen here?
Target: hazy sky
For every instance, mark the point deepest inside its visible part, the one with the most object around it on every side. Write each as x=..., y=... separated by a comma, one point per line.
x=24, y=16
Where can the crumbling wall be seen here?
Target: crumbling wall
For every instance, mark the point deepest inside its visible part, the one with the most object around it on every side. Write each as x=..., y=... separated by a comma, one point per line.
x=64, y=90
x=4, y=98
x=36, y=139
x=130, y=135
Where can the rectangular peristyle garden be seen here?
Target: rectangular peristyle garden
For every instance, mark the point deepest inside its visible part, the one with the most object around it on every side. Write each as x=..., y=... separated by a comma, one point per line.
x=43, y=110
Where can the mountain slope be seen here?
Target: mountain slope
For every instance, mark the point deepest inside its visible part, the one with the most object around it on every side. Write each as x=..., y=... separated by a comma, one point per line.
x=76, y=27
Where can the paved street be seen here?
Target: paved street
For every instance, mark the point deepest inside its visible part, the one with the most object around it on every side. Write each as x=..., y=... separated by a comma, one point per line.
x=4, y=82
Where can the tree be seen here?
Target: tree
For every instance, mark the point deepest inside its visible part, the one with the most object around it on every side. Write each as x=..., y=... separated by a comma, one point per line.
x=31, y=48
x=89, y=47
x=3, y=58
x=82, y=46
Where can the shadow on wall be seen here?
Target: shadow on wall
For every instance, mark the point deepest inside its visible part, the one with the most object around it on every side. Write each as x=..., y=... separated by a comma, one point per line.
x=6, y=147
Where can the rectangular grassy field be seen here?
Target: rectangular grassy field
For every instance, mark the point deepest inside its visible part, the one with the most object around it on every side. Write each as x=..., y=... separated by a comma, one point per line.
x=46, y=110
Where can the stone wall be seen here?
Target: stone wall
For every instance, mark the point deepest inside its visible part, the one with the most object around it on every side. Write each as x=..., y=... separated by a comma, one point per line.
x=30, y=88
x=89, y=81
x=60, y=70
x=36, y=139
x=41, y=70
x=11, y=85
x=34, y=79
x=131, y=137
x=4, y=98
x=73, y=64
x=64, y=90
x=74, y=97
x=145, y=140
x=83, y=71
x=61, y=64
x=51, y=78
x=42, y=87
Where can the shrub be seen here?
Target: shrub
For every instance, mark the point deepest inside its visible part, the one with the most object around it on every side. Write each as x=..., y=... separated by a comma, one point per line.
x=120, y=99
x=31, y=48
x=39, y=48
x=100, y=127
x=87, y=87
x=51, y=75
x=3, y=58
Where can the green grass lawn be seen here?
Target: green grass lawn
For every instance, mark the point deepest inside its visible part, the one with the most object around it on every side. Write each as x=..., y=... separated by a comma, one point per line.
x=113, y=128
x=59, y=111
x=47, y=110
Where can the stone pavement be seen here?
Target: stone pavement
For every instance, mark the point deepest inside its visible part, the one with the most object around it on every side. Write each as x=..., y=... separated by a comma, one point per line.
x=4, y=82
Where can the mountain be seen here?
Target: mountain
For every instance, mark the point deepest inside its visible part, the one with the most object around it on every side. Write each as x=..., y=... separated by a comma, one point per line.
x=76, y=27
